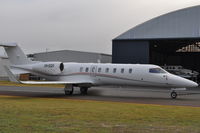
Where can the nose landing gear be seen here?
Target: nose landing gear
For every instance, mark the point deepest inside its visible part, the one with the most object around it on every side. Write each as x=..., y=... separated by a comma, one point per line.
x=174, y=92
x=173, y=95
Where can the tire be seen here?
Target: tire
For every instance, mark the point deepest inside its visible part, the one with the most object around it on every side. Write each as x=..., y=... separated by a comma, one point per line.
x=68, y=92
x=83, y=90
x=173, y=95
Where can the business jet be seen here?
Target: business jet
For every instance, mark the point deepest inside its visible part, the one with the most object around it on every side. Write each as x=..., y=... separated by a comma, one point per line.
x=86, y=75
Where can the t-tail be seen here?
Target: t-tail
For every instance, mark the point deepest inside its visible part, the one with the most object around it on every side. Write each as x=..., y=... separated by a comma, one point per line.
x=16, y=58
x=15, y=55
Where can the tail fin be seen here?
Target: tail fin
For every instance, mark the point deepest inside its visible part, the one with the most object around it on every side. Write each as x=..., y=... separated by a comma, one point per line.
x=11, y=76
x=15, y=55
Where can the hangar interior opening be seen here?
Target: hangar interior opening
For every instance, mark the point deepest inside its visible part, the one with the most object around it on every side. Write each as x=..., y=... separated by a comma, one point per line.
x=183, y=53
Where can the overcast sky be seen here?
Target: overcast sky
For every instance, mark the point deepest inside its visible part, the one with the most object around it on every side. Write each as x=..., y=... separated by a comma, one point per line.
x=83, y=25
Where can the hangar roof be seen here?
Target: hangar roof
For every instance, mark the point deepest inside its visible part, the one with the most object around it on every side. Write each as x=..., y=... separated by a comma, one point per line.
x=184, y=23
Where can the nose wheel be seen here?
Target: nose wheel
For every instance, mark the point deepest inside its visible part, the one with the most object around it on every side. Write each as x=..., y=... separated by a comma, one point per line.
x=173, y=95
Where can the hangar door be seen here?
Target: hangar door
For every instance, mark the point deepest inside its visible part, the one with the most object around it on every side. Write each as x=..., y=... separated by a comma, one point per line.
x=183, y=53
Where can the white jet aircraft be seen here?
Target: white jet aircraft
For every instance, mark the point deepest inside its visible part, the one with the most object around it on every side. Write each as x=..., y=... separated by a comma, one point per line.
x=86, y=75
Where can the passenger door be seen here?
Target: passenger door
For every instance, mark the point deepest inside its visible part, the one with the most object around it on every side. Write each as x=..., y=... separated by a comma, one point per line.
x=93, y=70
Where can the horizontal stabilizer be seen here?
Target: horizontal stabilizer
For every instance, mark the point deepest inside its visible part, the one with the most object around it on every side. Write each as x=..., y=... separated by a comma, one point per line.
x=15, y=55
x=8, y=44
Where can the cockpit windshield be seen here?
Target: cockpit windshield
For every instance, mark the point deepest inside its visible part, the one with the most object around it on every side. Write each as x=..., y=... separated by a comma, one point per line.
x=156, y=70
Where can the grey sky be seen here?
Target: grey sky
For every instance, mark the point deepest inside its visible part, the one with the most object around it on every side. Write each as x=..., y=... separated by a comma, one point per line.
x=83, y=25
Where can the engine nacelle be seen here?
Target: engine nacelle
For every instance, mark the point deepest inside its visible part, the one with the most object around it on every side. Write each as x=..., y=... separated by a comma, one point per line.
x=49, y=68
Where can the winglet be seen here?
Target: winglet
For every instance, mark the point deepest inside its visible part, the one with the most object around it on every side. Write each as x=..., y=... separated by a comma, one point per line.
x=11, y=76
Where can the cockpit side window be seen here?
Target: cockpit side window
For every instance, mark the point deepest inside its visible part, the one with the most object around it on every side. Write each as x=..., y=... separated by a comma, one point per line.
x=156, y=70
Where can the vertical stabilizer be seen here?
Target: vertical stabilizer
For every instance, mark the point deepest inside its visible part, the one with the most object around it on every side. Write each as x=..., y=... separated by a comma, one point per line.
x=11, y=77
x=15, y=55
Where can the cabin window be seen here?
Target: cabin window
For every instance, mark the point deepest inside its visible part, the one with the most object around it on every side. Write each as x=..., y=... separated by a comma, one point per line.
x=156, y=70
x=81, y=69
x=99, y=70
x=114, y=70
x=107, y=70
x=86, y=69
x=130, y=70
x=93, y=69
x=122, y=70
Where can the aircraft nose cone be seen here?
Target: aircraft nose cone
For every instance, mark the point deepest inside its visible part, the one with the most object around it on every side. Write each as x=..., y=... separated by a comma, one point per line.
x=194, y=84
x=182, y=82
x=189, y=83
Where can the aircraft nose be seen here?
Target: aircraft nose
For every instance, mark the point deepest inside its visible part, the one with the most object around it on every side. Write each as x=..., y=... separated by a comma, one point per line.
x=193, y=84
x=182, y=82
x=187, y=82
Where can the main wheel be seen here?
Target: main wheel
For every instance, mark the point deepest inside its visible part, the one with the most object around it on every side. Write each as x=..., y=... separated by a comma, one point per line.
x=69, y=90
x=83, y=90
x=173, y=95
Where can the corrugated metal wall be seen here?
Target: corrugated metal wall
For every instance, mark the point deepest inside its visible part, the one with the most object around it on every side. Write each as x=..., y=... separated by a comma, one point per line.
x=183, y=23
x=73, y=56
x=127, y=51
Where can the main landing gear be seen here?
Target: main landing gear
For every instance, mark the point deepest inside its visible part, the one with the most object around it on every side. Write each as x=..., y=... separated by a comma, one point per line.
x=69, y=89
x=83, y=90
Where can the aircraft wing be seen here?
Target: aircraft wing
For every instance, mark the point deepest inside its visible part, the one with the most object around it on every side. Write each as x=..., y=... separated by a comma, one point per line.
x=18, y=71
x=14, y=79
x=56, y=82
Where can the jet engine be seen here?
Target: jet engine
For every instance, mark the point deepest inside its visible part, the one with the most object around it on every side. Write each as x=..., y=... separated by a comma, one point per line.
x=49, y=68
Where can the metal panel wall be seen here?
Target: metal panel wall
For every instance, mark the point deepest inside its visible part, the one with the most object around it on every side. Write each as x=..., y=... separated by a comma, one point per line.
x=72, y=56
x=182, y=23
x=127, y=51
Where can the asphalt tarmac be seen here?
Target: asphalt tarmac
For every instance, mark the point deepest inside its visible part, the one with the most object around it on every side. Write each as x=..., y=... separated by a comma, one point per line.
x=190, y=97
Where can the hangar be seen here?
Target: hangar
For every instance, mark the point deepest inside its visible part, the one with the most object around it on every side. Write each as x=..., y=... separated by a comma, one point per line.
x=172, y=39
x=71, y=56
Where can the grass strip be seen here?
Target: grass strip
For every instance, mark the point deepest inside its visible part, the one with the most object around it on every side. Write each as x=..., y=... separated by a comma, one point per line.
x=26, y=114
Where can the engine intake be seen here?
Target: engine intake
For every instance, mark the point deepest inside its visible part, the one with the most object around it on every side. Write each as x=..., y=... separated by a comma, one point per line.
x=50, y=68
